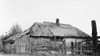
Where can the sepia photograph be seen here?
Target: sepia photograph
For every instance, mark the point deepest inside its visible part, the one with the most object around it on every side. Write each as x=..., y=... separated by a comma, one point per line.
x=49, y=27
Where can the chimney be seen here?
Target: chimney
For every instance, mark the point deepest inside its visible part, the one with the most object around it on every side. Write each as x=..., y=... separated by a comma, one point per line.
x=57, y=21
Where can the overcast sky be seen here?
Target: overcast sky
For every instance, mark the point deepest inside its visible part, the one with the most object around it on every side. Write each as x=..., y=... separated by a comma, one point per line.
x=78, y=13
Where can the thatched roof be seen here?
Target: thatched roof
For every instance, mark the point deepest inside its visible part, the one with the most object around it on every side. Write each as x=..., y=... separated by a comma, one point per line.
x=51, y=29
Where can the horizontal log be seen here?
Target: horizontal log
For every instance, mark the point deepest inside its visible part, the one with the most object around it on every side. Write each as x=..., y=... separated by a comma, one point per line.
x=60, y=37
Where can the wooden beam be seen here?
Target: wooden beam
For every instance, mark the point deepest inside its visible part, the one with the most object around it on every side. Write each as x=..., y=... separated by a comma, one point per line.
x=61, y=37
x=72, y=48
x=94, y=35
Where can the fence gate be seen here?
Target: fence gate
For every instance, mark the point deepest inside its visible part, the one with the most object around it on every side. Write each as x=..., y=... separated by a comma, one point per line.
x=83, y=49
x=89, y=47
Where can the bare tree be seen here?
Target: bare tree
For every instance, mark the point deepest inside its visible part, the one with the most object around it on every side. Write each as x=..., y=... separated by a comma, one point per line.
x=15, y=29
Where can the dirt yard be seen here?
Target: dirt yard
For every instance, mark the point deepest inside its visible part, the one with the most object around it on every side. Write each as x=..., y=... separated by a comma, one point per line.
x=14, y=55
x=33, y=55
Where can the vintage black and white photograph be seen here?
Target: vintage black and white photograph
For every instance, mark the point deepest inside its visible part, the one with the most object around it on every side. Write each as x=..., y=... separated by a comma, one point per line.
x=49, y=27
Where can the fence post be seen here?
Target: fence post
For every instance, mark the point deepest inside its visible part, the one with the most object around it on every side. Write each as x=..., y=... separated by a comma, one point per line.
x=94, y=36
x=64, y=47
